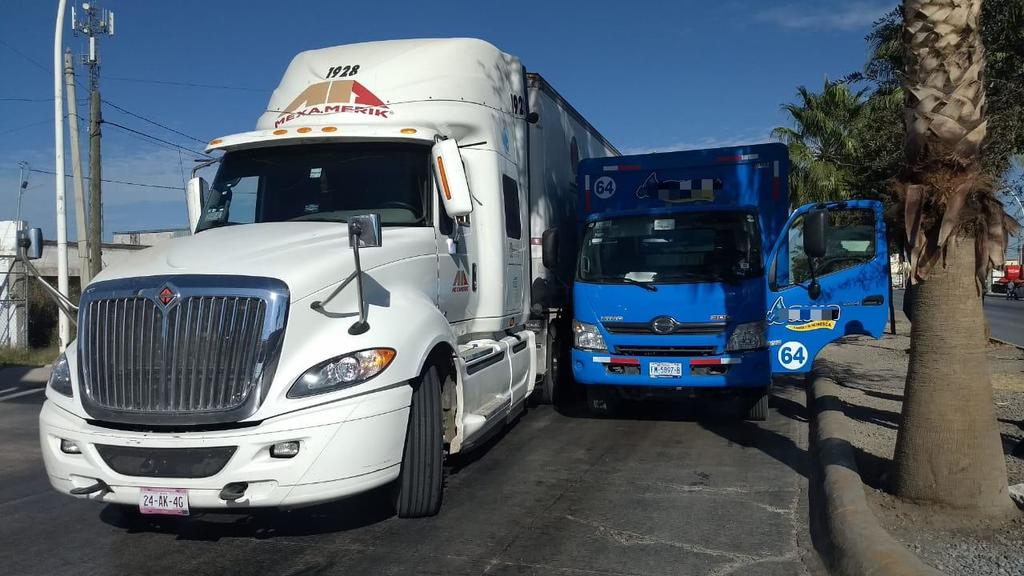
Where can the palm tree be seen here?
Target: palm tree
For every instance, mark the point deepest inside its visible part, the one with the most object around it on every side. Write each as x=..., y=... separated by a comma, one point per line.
x=948, y=449
x=822, y=143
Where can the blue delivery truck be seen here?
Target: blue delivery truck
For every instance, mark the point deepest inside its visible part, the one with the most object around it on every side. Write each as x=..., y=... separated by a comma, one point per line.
x=693, y=274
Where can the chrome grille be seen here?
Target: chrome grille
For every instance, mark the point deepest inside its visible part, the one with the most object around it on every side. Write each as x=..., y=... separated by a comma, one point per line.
x=200, y=358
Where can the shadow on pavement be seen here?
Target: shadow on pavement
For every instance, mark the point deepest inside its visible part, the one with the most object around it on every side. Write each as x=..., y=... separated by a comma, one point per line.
x=340, y=516
x=721, y=416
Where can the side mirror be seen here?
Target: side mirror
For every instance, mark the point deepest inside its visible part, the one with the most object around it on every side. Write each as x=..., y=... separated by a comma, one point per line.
x=815, y=233
x=31, y=241
x=366, y=227
x=195, y=194
x=549, y=248
x=450, y=177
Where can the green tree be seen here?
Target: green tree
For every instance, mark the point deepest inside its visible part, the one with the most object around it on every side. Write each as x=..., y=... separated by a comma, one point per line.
x=822, y=142
x=948, y=449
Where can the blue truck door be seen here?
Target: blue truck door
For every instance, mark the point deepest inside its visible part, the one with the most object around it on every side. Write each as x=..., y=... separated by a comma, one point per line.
x=853, y=276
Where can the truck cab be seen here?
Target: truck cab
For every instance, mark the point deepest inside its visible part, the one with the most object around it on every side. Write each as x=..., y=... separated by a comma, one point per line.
x=693, y=276
x=352, y=305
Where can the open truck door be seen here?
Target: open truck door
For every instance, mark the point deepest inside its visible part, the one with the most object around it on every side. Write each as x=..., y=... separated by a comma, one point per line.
x=827, y=278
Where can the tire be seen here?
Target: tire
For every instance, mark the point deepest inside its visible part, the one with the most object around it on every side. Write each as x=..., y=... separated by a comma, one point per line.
x=758, y=410
x=552, y=378
x=603, y=401
x=420, y=482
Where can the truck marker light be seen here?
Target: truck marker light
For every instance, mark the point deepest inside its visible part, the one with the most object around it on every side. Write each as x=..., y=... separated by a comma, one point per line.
x=329, y=129
x=304, y=129
x=279, y=131
x=408, y=130
x=216, y=142
x=444, y=179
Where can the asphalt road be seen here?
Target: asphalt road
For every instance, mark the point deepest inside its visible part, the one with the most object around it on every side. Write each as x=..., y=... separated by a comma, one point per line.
x=658, y=491
x=1005, y=317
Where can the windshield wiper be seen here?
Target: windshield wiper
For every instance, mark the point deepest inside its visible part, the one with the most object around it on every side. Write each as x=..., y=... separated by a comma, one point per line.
x=645, y=285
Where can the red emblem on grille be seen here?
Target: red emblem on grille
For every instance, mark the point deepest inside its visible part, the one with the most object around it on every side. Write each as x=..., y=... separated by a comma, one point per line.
x=166, y=296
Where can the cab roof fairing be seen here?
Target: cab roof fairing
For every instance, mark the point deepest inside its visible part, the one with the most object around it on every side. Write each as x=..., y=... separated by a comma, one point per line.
x=381, y=80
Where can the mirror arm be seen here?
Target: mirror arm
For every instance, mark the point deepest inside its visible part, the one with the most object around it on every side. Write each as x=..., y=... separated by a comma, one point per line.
x=360, y=326
x=813, y=289
x=63, y=302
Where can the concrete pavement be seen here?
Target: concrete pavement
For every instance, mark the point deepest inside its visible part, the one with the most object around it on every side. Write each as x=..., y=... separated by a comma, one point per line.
x=658, y=491
x=1005, y=317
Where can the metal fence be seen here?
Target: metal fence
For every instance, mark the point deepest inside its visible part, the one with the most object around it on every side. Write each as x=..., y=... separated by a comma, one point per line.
x=13, y=303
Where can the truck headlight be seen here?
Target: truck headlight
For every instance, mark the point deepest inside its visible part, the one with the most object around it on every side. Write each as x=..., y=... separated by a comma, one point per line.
x=342, y=372
x=749, y=336
x=587, y=337
x=60, y=377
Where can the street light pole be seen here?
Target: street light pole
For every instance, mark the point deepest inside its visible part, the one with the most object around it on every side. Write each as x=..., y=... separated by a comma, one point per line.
x=58, y=153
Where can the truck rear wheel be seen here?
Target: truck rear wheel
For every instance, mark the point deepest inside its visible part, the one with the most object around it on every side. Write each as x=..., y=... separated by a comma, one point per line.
x=756, y=408
x=419, y=488
x=552, y=378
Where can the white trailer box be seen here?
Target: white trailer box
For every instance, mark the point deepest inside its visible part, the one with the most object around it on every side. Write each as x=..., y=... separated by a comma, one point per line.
x=254, y=365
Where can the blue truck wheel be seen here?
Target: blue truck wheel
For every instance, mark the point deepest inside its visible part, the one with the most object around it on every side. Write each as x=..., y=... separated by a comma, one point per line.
x=756, y=405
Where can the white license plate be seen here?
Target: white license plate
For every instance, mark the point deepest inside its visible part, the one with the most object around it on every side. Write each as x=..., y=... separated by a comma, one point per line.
x=665, y=369
x=172, y=501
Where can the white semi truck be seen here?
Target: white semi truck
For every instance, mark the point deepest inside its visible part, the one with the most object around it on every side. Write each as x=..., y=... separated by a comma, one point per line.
x=363, y=292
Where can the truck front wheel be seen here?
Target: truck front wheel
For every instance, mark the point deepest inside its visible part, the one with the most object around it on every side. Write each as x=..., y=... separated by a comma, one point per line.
x=757, y=405
x=419, y=486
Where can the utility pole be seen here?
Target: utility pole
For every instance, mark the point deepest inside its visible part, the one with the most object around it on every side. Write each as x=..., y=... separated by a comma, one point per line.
x=84, y=274
x=22, y=185
x=63, y=323
x=97, y=22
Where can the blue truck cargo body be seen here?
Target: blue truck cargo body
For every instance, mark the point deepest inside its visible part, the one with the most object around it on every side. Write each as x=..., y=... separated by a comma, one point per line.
x=691, y=271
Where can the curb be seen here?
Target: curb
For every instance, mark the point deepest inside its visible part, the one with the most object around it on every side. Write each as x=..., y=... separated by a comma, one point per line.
x=858, y=545
x=1005, y=343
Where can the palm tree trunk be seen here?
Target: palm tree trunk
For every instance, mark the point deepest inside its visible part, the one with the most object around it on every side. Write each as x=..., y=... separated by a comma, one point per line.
x=948, y=449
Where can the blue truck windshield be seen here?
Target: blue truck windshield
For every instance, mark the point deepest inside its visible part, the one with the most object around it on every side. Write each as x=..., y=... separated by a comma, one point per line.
x=713, y=246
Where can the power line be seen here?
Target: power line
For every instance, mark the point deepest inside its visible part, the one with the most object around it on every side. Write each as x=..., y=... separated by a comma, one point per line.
x=22, y=127
x=188, y=84
x=153, y=122
x=112, y=181
x=108, y=102
x=25, y=56
x=133, y=131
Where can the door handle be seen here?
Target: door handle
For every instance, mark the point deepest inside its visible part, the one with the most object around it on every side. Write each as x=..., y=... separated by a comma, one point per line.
x=473, y=274
x=874, y=300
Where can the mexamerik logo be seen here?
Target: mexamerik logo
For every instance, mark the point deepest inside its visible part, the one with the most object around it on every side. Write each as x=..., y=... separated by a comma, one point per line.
x=333, y=97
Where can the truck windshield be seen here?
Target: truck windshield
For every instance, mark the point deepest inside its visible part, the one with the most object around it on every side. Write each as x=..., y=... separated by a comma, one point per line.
x=676, y=248
x=321, y=182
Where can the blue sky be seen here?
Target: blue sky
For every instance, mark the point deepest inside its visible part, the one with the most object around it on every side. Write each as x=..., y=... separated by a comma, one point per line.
x=649, y=75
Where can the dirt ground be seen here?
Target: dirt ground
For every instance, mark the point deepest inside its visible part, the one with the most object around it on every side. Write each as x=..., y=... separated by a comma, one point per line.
x=871, y=375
